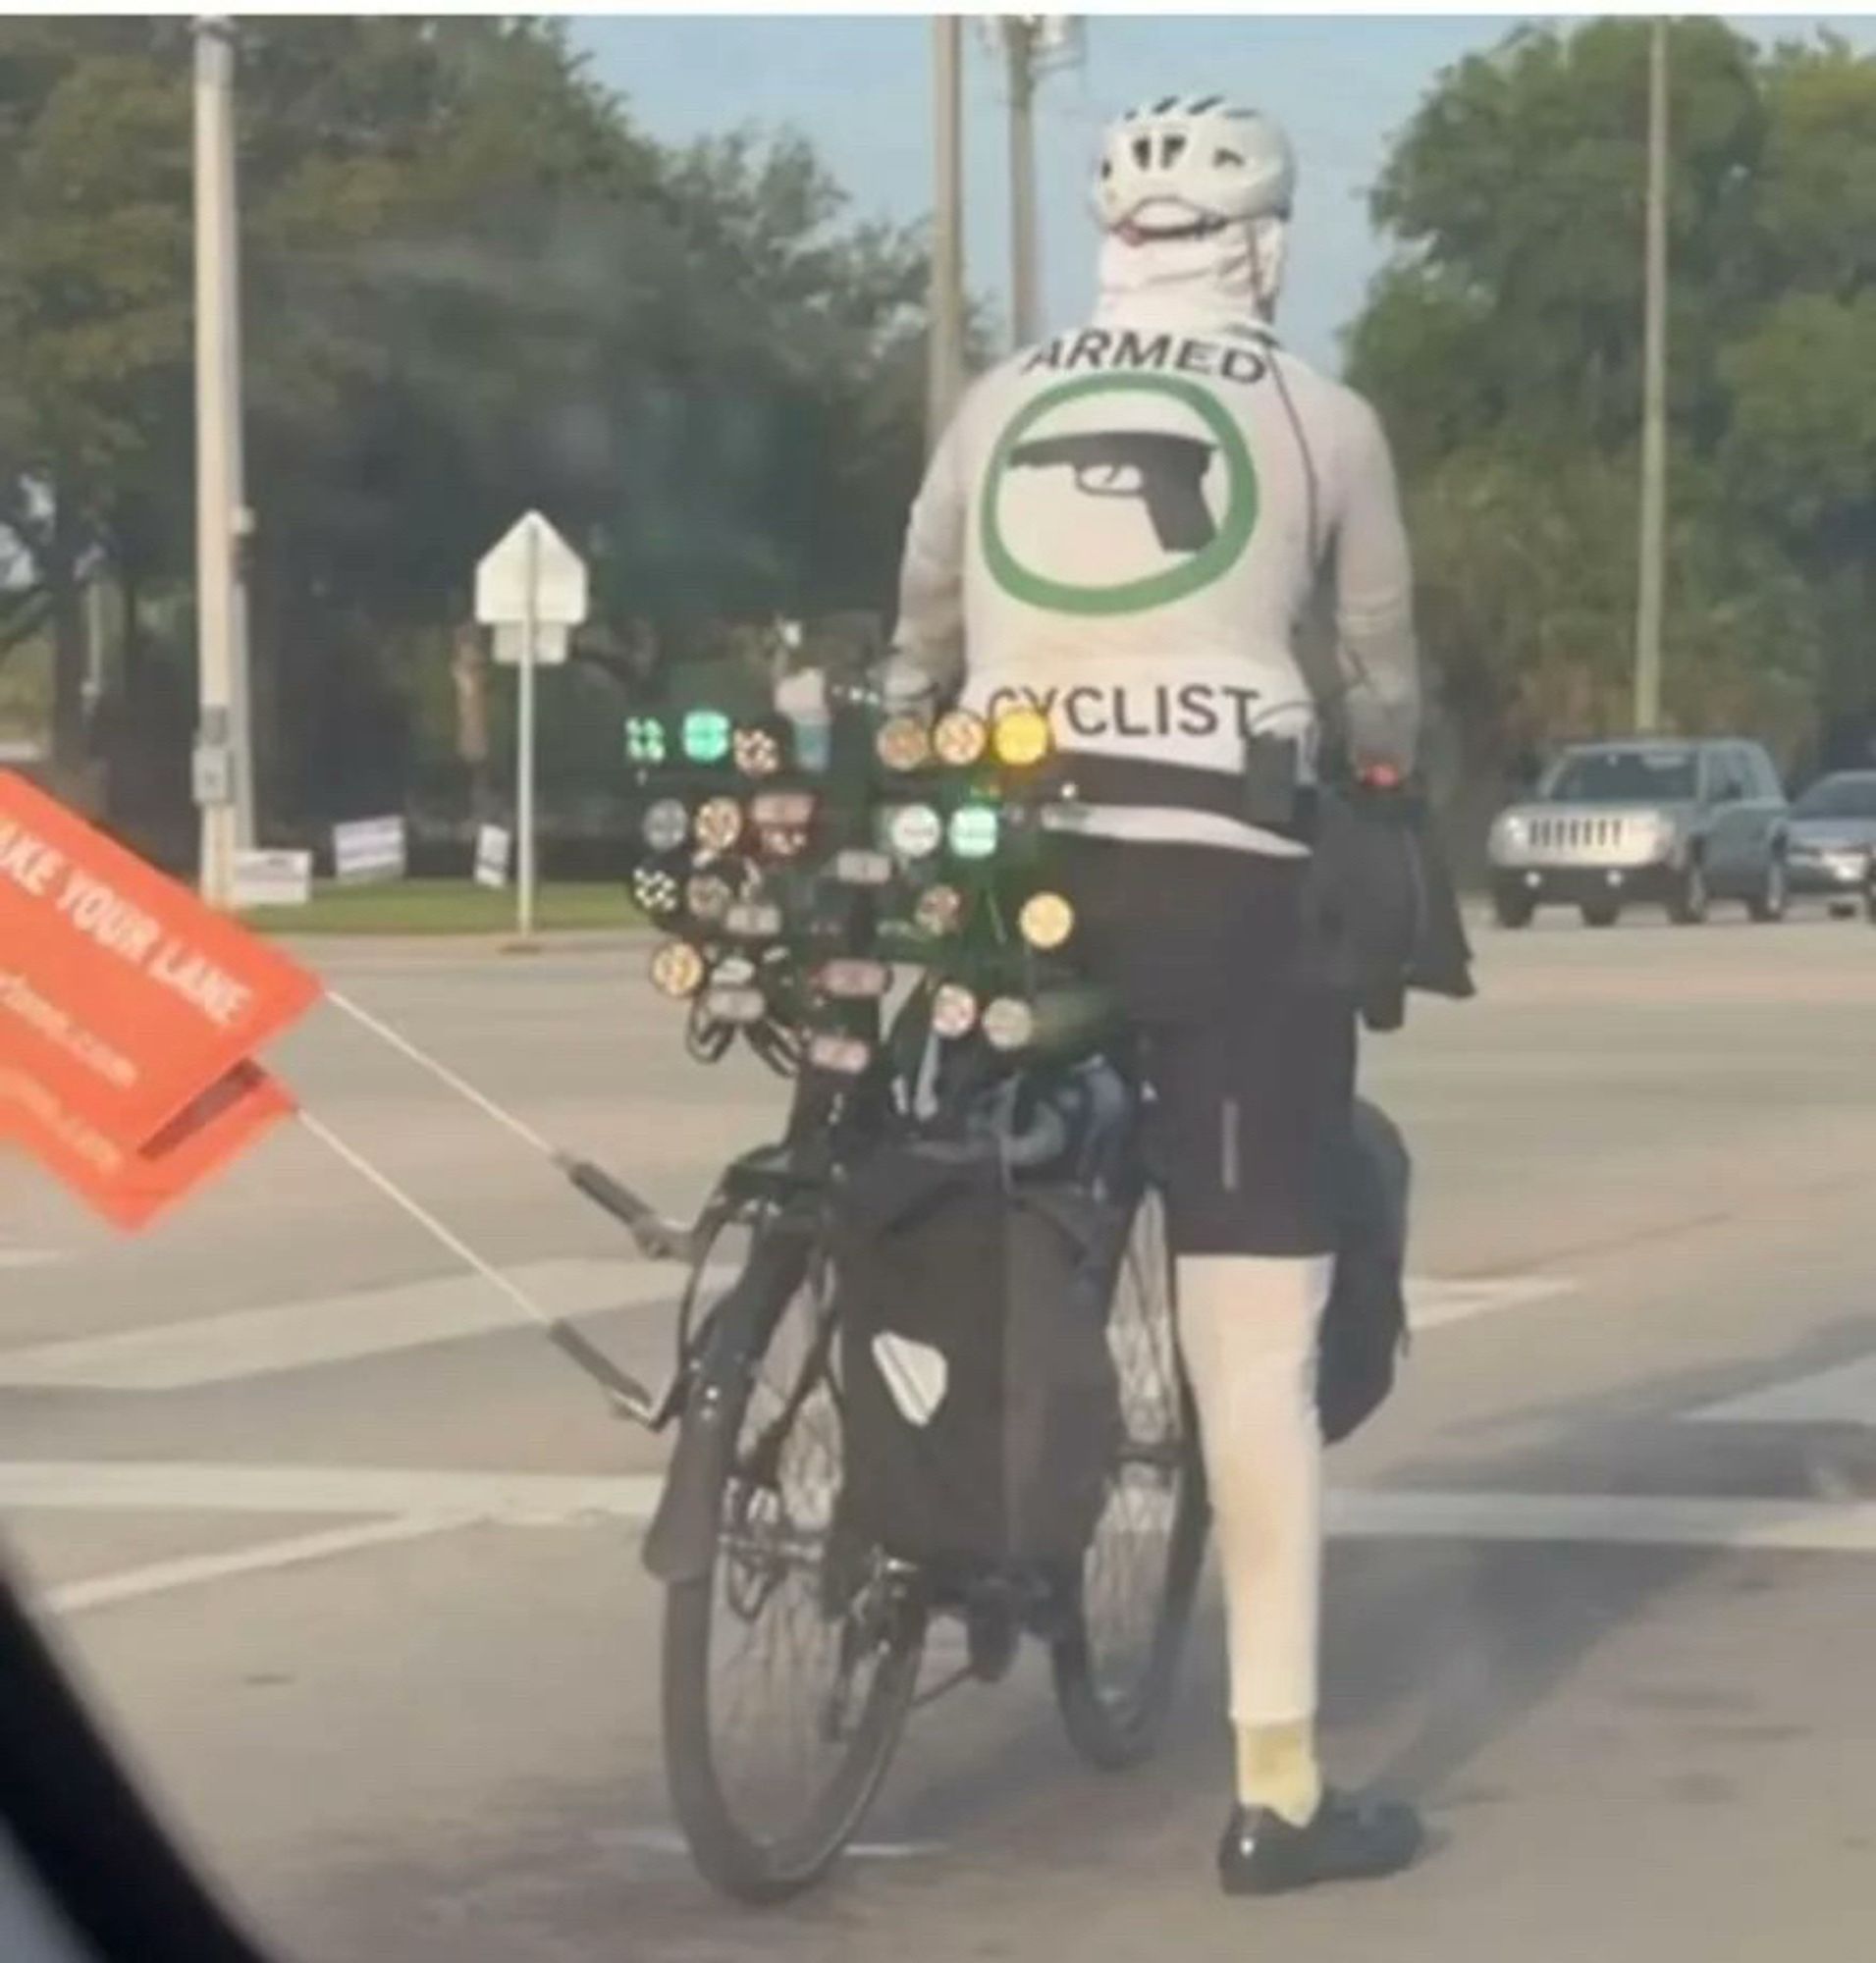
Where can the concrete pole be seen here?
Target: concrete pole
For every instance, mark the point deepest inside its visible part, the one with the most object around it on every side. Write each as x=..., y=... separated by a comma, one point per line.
x=216, y=466
x=1651, y=584
x=1019, y=47
x=947, y=355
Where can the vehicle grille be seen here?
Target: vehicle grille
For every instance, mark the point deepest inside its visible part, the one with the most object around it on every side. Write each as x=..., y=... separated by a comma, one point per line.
x=1576, y=834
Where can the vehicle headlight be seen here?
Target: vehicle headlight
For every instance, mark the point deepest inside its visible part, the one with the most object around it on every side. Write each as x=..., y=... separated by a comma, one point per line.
x=1514, y=832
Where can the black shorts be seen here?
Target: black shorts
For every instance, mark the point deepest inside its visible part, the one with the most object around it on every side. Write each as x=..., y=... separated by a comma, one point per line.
x=1251, y=1069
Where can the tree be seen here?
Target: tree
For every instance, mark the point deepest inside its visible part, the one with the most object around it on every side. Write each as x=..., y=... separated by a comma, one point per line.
x=1503, y=342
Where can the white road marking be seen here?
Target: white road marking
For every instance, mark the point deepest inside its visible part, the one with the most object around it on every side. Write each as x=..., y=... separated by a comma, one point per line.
x=332, y=1329
x=11, y=1258
x=1846, y=1395
x=662, y=1840
x=515, y=1499
x=1436, y=1305
x=1796, y=1526
x=163, y=1577
x=423, y=1503
x=378, y=1322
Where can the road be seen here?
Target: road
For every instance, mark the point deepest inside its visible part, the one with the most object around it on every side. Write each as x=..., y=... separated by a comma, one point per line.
x=349, y=1557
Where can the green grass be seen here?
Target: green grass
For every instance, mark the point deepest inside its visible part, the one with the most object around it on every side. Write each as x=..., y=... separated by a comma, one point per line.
x=443, y=907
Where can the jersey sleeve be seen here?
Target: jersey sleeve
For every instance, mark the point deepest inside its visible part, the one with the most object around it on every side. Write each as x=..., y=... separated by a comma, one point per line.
x=1375, y=648
x=927, y=647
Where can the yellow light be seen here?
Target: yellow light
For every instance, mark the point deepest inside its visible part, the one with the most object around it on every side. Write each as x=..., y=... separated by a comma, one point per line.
x=1046, y=921
x=1021, y=736
x=678, y=969
x=903, y=743
x=961, y=737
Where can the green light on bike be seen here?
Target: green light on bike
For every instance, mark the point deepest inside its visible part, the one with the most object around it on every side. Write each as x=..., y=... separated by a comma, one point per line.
x=645, y=740
x=707, y=735
x=974, y=831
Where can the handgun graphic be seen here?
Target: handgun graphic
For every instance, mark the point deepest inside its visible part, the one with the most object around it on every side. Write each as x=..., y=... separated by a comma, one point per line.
x=1162, y=469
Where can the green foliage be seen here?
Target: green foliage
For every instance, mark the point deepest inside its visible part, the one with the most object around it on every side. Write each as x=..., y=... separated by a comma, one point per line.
x=470, y=284
x=1503, y=344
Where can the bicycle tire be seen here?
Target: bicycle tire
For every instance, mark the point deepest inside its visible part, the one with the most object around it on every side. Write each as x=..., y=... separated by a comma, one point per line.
x=1118, y=1726
x=753, y=1863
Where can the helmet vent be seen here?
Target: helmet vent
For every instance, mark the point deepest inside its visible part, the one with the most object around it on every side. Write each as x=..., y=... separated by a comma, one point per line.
x=1171, y=149
x=1142, y=152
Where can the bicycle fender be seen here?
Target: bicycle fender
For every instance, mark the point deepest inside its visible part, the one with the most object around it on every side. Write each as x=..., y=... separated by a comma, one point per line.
x=681, y=1541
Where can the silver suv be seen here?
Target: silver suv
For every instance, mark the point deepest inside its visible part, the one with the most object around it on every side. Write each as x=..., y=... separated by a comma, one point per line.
x=1681, y=822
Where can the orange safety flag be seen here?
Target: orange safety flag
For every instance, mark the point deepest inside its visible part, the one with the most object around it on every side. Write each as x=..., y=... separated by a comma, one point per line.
x=130, y=1014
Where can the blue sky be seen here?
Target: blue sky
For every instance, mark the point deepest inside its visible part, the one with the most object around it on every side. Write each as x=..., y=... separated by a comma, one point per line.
x=861, y=89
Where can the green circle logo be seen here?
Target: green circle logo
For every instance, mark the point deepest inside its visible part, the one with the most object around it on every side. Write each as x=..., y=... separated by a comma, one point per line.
x=1162, y=472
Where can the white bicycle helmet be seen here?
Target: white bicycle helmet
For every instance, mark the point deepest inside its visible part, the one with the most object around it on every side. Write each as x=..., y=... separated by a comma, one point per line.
x=1190, y=164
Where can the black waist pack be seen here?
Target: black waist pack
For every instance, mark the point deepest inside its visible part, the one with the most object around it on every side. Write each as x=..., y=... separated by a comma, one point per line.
x=1364, y=1325
x=1380, y=911
x=981, y=1401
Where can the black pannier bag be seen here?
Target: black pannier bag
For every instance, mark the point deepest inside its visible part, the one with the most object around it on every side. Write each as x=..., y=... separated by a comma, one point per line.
x=981, y=1406
x=1364, y=1325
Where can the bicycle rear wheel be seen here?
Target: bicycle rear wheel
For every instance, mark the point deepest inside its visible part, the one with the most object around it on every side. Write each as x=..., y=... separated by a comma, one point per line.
x=788, y=1668
x=1116, y=1666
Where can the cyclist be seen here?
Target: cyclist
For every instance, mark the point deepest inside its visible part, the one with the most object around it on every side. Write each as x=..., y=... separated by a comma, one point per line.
x=1126, y=526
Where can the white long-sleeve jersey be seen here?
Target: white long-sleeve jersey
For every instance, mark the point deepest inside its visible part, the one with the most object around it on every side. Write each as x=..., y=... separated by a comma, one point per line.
x=1129, y=525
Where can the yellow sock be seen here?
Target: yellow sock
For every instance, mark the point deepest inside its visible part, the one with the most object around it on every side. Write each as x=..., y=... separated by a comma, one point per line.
x=1277, y=1769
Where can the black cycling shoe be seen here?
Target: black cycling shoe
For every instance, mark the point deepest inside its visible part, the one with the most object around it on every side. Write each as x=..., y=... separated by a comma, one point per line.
x=1348, y=1841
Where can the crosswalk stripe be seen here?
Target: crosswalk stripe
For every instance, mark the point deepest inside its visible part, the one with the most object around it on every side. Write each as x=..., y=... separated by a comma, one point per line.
x=1846, y=1395
x=548, y=1498
x=332, y=1329
x=378, y=1322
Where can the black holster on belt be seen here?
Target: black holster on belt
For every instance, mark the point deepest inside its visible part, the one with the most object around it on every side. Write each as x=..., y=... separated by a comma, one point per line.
x=1380, y=911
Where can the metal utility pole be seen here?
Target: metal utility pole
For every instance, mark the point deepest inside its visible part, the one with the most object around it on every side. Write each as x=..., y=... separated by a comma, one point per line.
x=1030, y=45
x=946, y=358
x=220, y=738
x=1019, y=48
x=1651, y=584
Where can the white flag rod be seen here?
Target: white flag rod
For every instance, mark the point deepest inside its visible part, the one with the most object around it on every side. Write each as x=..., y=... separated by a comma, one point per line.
x=630, y=1396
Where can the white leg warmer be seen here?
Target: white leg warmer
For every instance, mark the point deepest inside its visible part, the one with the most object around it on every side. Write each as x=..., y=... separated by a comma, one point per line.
x=1250, y=1326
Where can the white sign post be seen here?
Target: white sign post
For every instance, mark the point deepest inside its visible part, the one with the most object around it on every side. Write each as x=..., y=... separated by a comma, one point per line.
x=531, y=589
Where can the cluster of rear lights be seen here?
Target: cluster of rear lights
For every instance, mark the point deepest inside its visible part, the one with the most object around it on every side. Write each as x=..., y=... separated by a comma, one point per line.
x=707, y=736
x=1017, y=738
x=1008, y=1021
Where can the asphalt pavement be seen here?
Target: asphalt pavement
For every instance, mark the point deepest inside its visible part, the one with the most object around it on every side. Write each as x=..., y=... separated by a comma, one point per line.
x=348, y=1555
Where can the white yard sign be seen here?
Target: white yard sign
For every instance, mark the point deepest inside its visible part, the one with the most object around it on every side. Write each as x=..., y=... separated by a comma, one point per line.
x=371, y=848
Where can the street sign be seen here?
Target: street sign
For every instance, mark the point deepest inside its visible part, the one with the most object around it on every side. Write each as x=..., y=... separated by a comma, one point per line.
x=531, y=574
x=531, y=589
x=510, y=640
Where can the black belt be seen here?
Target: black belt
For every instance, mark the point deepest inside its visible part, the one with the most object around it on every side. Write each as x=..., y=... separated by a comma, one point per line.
x=1147, y=781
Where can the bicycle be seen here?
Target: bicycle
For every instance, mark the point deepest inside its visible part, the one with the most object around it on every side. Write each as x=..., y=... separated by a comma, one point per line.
x=747, y=1543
